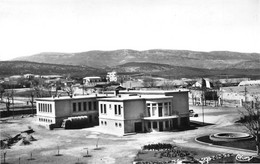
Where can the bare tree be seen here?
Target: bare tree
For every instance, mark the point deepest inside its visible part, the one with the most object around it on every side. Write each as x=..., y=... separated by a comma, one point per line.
x=251, y=120
x=167, y=85
x=149, y=82
x=69, y=90
x=2, y=91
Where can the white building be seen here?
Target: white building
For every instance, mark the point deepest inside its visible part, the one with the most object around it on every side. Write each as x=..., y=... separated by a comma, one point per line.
x=112, y=76
x=92, y=81
x=144, y=111
x=127, y=112
x=52, y=111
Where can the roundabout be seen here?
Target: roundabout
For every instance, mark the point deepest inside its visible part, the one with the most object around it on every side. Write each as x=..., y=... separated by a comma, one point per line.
x=230, y=136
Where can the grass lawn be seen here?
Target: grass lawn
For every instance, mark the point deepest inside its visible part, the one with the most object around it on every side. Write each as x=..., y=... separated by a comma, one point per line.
x=246, y=144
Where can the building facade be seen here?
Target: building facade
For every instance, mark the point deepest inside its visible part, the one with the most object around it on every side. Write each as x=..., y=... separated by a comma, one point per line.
x=124, y=113
x=52, y=111
x=146, y=111
x=92, y=81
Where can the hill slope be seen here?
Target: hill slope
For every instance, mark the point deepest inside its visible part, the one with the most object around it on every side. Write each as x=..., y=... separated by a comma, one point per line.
x=8, y=68
x=164, y=70
x=102, y=59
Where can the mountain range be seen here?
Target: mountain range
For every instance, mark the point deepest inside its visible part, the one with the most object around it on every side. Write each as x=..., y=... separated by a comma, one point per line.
x=157, y=62
x=184, y=58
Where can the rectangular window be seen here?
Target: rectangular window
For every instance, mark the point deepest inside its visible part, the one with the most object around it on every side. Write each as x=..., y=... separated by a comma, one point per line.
x=79, y=104
x=89, y=105
x=170, y=108
x=153, y=109
x=160, y=109
x=166, y=113
x=105, y=108
x=39, y=108
x=148, y=110
x=84, y=106
x=101, y=108
x=95, y=105
x=119, y=109
x=115, y=109
x=74, y=107
x=51, y=108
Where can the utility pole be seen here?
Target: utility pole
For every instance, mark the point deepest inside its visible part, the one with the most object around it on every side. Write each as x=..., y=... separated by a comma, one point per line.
x=13, y=100
x=32, y=100
x=203, y=86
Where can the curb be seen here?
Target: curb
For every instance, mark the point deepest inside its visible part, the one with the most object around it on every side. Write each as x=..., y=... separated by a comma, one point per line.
x=225, y=147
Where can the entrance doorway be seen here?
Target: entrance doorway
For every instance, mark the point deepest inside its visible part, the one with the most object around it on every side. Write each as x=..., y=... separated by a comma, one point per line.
x=138, y=127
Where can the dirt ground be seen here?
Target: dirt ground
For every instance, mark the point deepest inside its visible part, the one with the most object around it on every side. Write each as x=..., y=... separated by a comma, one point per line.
x=74, y=144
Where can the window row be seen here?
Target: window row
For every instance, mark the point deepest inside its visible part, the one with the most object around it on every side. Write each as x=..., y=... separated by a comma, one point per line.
x=45, y=120
x=117, y=109
x=45, y=107
x=118, y=125
x=103, y=123
x=154, y=124
x=84, y=106
x=159, y=109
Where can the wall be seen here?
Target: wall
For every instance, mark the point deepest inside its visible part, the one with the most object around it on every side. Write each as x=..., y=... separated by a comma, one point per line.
x=180, y=102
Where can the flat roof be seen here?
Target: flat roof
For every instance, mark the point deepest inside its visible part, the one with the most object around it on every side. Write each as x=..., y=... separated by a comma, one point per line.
x=154, y=91
x=72, y=98
x=92, y=77
x=137, y=97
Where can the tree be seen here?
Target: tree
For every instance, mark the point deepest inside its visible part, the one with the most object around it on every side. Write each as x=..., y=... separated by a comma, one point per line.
x=167, y=85
x=149, y=82
x=251, y=120
x=69, y=90
x=2, y=91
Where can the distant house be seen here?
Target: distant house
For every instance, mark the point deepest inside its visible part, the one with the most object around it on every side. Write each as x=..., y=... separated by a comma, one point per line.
x=28, y=76
x=239, y=94
x=198, y=84
x=92, y=81
x=232, y=81
x=112, y=76
x=51, y=76
x=250, y=83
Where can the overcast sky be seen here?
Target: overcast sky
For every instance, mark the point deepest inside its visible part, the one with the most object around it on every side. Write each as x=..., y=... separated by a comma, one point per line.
x=29, y=27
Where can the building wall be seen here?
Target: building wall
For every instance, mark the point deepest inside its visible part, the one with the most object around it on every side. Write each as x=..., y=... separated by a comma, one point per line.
x=109, y=120
x=134, y=109
x=112, y=126
x=45, y=112
x=180, y=102
x=62, y=109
